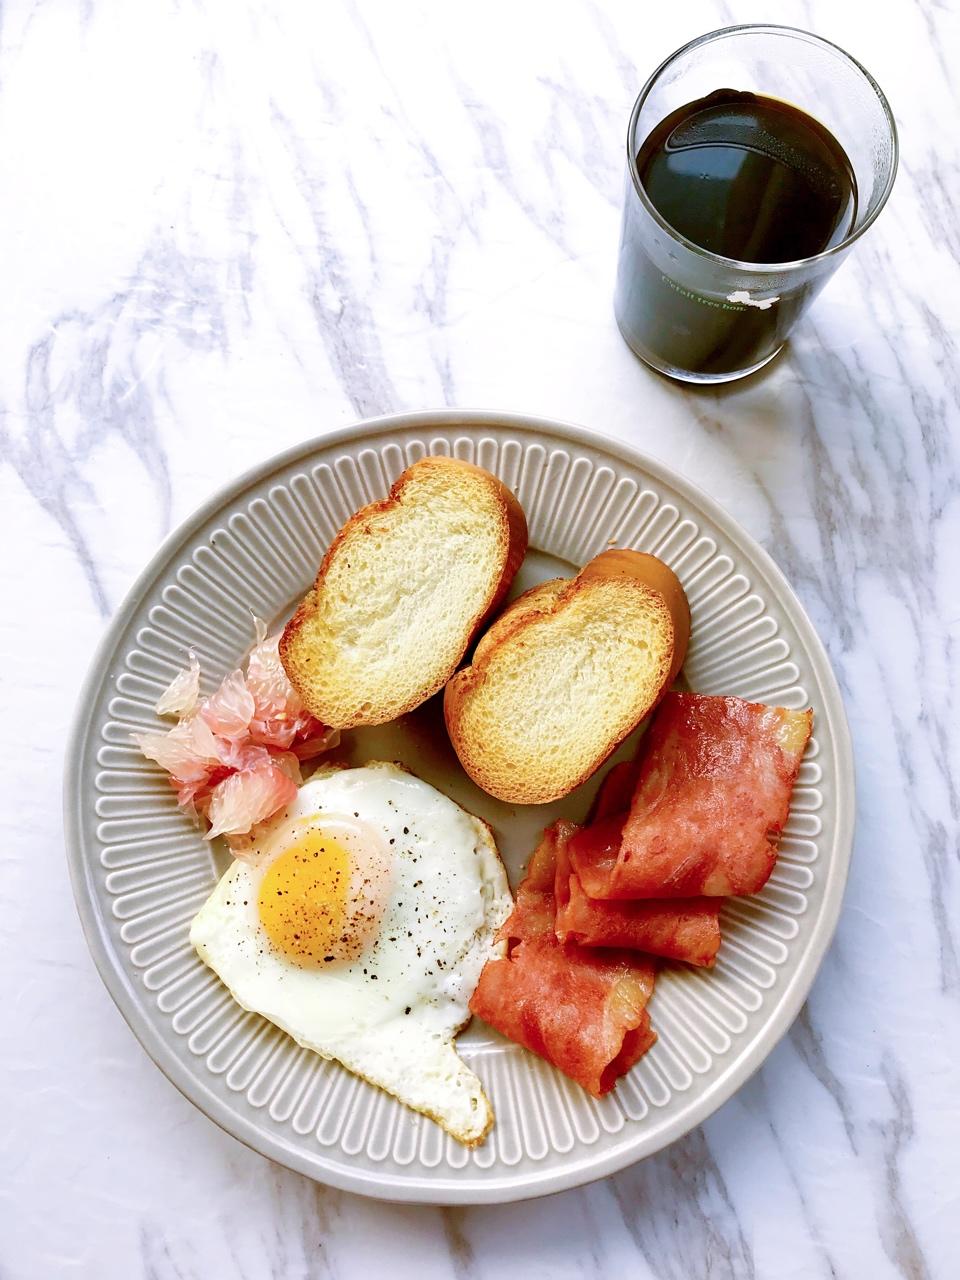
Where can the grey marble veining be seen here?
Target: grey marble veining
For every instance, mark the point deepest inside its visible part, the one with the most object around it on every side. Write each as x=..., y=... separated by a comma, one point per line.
x=227, y=227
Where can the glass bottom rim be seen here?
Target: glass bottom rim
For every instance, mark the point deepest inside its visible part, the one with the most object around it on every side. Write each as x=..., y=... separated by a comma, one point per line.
x=688, y=375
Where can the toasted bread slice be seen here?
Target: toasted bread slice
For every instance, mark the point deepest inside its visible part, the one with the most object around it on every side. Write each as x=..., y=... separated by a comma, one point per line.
x=565, y=674
x=401, y=593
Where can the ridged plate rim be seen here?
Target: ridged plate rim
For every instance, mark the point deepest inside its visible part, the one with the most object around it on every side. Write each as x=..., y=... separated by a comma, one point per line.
x=559, y=1173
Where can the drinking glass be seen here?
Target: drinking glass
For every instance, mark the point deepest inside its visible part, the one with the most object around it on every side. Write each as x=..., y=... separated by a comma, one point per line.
x=701, y=317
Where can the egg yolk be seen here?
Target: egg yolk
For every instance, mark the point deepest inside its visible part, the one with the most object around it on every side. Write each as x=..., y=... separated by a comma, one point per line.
x=316, y=903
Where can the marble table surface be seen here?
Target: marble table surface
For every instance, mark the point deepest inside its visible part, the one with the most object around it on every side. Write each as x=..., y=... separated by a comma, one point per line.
x=226, y=227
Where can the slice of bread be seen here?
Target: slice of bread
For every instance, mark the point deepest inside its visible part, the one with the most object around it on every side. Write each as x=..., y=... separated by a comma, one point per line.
x=565, y=674
x=401, y=593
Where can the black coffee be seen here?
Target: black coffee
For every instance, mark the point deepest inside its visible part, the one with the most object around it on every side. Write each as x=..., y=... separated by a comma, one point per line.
x=746, y=177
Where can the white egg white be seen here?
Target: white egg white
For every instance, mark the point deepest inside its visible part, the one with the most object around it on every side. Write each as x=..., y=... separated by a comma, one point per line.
x=392, y=1014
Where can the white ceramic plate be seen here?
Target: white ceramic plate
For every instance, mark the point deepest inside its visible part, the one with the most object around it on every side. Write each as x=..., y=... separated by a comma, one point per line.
x=140, y=869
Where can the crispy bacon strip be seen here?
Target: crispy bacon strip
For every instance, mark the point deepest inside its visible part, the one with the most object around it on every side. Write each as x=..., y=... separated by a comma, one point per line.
x=584, y=1011
x=680, y=929
x=713, y=793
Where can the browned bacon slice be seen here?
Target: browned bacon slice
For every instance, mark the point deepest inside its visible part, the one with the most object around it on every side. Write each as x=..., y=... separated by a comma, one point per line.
x=583, y=1010
x=713, y=792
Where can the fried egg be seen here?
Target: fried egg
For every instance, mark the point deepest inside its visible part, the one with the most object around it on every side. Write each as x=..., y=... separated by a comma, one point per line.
x=358, y=922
